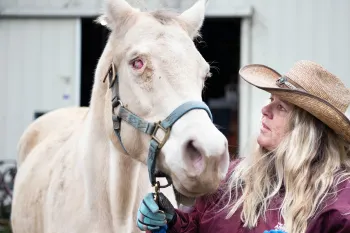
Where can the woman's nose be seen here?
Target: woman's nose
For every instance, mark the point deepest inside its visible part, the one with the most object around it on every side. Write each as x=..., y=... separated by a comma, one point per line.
x=266, y=111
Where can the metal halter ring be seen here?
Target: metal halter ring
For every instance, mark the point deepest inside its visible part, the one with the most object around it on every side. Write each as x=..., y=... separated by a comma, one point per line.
x=120, y=103
x=116, y=103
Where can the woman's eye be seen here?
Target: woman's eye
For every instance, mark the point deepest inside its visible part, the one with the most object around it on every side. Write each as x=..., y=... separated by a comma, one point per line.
x=281, y=107
x=137, y=63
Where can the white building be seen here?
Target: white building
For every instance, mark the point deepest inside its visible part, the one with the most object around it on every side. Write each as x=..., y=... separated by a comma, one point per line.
x=41, y=40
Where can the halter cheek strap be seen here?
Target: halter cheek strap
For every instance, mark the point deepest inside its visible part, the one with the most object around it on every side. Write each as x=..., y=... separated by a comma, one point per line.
x=158, y=139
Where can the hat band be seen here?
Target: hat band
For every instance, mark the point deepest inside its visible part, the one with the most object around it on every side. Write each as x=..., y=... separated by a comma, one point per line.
x=284, y=81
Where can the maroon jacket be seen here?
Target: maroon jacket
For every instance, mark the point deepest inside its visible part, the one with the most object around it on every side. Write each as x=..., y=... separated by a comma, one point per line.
x=335, y=218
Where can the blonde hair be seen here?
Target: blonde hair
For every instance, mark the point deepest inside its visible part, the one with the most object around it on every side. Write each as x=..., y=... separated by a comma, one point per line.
x=308, y=164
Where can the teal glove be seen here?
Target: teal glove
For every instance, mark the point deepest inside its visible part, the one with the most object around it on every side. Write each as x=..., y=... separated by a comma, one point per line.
x=153, y=216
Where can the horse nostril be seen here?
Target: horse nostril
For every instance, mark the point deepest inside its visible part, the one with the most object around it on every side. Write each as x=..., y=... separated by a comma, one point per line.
x=195, y=155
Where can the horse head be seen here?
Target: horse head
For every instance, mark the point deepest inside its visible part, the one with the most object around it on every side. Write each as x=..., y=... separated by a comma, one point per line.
x=154, y=100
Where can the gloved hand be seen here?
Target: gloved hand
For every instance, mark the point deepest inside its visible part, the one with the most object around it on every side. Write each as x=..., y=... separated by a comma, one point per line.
x=152, y=215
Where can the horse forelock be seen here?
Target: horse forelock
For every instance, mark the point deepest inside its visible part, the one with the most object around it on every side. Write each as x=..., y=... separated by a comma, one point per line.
x=165, y=17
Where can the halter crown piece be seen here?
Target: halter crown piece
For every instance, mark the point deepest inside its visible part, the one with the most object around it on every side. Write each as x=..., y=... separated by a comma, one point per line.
x=153, y=129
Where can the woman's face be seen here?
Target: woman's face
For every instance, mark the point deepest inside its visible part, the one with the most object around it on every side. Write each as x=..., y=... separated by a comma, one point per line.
x=274, y=123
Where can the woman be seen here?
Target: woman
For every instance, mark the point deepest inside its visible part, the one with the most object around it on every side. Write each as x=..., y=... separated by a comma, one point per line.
x=296, y=180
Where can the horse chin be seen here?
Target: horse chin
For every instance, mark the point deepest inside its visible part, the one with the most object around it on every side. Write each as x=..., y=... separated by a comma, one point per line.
x=183, y=193
x=184, y=200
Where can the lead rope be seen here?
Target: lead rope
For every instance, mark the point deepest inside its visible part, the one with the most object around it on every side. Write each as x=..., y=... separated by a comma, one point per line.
x=164, y=228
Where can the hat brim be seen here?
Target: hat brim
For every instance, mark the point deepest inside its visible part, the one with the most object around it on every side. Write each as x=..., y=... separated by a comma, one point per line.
x=264, y=77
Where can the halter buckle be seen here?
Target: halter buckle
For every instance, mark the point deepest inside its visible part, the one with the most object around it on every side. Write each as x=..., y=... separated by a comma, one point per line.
x=161, y=139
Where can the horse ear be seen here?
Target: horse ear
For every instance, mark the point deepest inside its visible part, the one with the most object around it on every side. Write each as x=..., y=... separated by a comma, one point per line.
x=116, y=13
x=193, y=17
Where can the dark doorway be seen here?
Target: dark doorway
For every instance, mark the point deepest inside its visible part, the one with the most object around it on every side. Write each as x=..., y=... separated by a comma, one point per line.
x=94, y=39
x=221, y=48
x=219, y=45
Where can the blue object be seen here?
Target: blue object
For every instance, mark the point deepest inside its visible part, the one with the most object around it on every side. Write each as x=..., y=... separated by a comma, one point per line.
x=150, y=218
x=274, y=231
x=162, y=229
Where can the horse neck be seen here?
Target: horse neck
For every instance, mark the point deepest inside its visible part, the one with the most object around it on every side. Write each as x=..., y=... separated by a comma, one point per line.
x=117, y=178
x=94, y=146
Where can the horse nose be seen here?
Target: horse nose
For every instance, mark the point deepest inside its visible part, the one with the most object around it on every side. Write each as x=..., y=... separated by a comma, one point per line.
x=198, y=154
x=194, y=156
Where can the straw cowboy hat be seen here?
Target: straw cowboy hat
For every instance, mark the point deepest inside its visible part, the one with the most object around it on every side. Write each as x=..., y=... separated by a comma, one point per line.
x=309, y=86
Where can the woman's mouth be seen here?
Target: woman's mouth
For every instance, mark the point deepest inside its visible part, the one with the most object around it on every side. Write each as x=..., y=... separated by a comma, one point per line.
x=265, y=126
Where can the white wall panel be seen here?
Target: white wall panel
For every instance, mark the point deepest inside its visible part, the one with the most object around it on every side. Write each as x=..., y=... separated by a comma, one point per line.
x=77, y=8
x=36, y=58
x=57, y=4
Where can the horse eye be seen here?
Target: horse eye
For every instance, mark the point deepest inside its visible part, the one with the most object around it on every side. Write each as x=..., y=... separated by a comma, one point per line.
x=137, y=63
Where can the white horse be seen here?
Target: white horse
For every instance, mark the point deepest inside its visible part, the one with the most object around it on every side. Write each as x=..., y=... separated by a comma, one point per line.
x=87, y=170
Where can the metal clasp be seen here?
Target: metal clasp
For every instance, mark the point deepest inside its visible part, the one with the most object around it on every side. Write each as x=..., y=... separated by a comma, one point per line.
x=161, y=141
x=156, y=195
x=156, y=191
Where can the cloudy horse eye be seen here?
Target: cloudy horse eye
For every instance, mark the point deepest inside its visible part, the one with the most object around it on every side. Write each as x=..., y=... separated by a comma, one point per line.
x=137, y=64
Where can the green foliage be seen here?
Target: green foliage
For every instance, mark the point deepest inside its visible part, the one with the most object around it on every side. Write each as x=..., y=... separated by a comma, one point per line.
x=5, y=229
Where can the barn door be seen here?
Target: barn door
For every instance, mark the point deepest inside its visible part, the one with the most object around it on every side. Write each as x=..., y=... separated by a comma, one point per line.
x=39, y=71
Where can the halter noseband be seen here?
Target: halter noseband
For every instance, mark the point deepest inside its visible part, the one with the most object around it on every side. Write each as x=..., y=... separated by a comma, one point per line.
x=146, y=127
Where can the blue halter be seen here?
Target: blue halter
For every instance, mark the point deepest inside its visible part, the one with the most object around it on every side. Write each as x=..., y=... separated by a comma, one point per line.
x=146, y=127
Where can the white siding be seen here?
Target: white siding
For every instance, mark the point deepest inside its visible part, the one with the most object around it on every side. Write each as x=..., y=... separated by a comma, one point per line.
x=35, y=58
x=97, y=3
x=52, y=4
x=76, y=8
